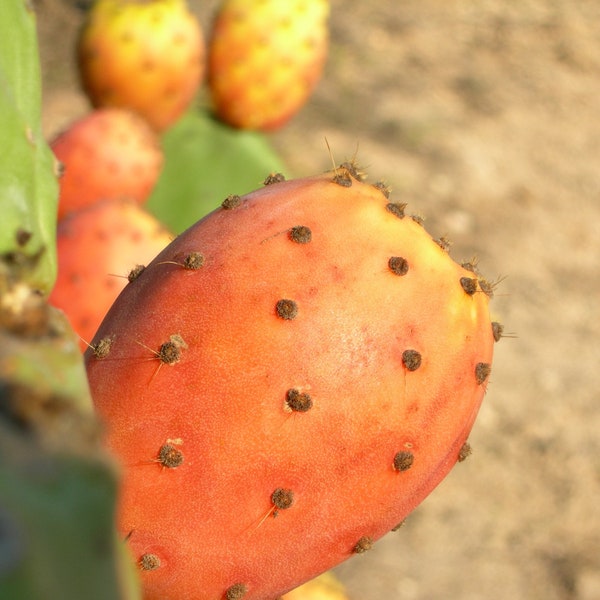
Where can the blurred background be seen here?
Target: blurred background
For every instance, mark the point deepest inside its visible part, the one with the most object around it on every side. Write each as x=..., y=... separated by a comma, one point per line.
x=485, y=117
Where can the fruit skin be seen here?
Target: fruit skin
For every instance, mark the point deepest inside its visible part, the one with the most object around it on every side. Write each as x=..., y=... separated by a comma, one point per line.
x=265, y=58
x=97, y=248
x=324, y=587
x=266, y=497
x=108, y=154
x=145, y=55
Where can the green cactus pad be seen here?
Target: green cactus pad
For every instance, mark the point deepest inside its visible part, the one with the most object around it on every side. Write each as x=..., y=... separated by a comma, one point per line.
x=56, y=518
x=57, y=484
x=38, y=347
x=206, y=161
x=28, y=185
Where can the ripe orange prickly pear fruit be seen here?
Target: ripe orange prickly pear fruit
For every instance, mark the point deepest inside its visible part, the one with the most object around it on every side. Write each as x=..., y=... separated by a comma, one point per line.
x=108, y=154
x=265, y=58
x=145, y=55
x=99, y=249
x=285, y=403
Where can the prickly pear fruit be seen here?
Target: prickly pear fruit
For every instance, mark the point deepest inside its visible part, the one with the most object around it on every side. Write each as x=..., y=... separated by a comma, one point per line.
x=110, y=153
x=99, y=249
x=145, y=55
x=265, y=57
x=324, y=587
x=286, y=403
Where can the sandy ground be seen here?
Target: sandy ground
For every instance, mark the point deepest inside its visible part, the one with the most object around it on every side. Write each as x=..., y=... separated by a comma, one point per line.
x=485, y=117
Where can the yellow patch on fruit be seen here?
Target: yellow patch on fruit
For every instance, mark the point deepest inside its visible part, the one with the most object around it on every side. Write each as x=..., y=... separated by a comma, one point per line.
x=324, y=587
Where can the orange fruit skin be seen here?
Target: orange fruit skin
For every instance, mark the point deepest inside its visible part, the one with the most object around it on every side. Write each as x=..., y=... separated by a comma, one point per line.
x=212, y=522
x=145, y=55
x=107, y=154
x=265, y=59
x=96, y=248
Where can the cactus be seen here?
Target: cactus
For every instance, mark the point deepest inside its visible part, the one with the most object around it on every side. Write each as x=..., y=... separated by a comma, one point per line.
x=361, y=368
x=56, y=513
x=27, y=182
x=57, y=484
x=205, y=161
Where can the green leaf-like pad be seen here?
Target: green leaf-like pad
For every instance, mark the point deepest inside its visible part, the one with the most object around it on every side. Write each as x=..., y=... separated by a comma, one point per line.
x=28, y=186
x=206, y=161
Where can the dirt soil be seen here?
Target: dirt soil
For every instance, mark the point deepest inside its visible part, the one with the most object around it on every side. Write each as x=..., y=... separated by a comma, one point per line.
x=485, y=118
